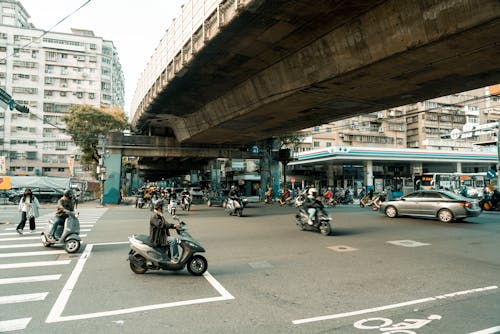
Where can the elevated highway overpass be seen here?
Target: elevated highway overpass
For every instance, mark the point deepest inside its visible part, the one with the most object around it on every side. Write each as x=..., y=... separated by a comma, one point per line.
x=238, y=71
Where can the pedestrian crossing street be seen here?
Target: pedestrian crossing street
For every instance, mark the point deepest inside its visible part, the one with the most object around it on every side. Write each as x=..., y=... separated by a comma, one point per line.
x=22, y=254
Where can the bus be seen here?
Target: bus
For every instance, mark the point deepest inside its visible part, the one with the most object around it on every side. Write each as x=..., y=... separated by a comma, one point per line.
x=474, y=182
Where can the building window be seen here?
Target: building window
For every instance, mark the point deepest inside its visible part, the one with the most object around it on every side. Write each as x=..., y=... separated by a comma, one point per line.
x=316, y=144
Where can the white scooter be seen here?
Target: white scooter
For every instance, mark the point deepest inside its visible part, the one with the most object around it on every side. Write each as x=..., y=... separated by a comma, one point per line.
x=172, y=206
x=67, y=235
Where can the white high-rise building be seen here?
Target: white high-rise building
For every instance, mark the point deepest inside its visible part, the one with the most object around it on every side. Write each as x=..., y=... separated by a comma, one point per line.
x=50, y=72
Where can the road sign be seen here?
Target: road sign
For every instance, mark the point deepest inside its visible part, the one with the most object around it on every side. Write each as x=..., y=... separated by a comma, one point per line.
x=491, y=174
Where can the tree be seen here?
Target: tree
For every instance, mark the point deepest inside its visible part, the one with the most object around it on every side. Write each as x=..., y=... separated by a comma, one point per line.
x=292, y=140
x=85, y=123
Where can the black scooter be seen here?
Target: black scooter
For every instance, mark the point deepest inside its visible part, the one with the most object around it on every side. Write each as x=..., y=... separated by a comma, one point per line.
x=320, y=224
x=144, y=256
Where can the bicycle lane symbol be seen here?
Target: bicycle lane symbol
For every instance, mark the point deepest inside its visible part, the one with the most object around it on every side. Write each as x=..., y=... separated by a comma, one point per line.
x=386, y=325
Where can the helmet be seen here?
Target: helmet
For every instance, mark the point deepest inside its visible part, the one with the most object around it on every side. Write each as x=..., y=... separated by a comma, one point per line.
x=313, y=192
x=68, y=193
x=158, y=204
x=233, y=187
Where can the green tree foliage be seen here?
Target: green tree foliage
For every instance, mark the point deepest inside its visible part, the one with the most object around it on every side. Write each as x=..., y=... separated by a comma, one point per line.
x=291, y=140
x=85, y=123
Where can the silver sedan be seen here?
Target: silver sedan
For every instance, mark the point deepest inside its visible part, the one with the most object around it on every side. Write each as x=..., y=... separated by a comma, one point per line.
x=444, y=205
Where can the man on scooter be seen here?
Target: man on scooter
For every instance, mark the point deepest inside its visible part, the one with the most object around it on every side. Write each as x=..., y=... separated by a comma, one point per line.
x=311, y=205
x=159, y=233
x=64, y=206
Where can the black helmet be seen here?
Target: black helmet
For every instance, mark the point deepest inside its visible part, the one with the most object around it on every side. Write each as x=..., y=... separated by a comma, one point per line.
x=68, y=193
x=158, y=204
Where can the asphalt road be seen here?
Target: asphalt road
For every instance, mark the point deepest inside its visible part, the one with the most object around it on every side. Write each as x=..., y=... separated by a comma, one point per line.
x=264, y=275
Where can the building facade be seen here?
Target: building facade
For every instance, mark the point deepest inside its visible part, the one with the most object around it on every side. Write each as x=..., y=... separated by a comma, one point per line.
x=50, y=72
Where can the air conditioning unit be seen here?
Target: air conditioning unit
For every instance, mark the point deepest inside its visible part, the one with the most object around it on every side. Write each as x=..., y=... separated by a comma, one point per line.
x=380, y=114
x=381, y=129
x=392, y=113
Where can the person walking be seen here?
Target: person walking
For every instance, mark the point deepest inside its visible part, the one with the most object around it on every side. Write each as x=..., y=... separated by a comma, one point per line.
x=28, y=205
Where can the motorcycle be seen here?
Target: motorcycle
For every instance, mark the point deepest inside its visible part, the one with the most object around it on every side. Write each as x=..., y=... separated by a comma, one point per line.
x=491, y=201
x=140, y=203
x=365, y=201
x=320, y=224
x=300, y=200
x=285, y=200
x=67, y=235
x=186, y=203
x=144, y=256
x=234, y=207
x=377, y=201
x=172, y=206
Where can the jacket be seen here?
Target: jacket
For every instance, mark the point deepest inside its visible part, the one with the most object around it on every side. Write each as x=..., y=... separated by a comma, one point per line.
x=158, y=229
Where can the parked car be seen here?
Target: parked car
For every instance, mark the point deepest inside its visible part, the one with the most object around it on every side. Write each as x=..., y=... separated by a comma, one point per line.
x=196, y=195
x=51, y=195
x=444, y=205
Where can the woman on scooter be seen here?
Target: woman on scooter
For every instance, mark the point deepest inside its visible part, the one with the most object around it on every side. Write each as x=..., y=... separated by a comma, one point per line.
x=64, y=206
x=158, y=231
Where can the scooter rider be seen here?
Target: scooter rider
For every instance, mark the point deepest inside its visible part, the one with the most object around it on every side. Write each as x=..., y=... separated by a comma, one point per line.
x=311, y=204
x=233, y=194
x=159, y=233
x=64, y=206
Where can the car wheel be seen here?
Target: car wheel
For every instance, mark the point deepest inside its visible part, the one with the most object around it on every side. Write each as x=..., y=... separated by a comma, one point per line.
x=391, y=212
x=54, y=199
x=445, y=216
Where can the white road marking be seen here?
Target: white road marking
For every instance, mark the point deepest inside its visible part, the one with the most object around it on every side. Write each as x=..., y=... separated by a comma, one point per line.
x=30, y=297
x=63, y=298
x=38, y=244
x=491, y=330
x=392, y=306
x=407, y=243
x=33, y=264
x=14, y=325
x=37, y=237
x=29, y=279
x=20, y=254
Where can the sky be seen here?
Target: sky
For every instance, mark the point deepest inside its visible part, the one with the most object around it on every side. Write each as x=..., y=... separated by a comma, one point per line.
x=134, y=27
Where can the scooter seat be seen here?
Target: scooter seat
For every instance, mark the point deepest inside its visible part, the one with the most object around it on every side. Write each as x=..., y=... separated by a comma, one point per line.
x=145, y=239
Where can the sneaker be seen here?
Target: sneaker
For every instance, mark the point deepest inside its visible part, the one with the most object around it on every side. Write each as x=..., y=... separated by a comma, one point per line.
x=174, y=260
x=309, y=222
x=19, y=231
x=32, y=231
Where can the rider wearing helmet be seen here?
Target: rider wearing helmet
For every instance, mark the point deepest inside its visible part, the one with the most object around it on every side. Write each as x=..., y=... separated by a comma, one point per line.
x=64, y=206
x=159, y=233
x=311, y=204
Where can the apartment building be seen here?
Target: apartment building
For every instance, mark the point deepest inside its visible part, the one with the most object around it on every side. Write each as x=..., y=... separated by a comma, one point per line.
x=423, y=125
x=50, y=72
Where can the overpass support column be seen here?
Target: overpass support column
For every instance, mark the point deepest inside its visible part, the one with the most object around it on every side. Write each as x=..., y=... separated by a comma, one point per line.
x=214, y=175
x=459, y=167
x=112, y=183
x=270, y=171
x=368, y=167
x=329, y=175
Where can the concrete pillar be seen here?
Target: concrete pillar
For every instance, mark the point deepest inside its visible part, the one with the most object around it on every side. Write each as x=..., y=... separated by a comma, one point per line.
x=270, y=171
x=459, y=167
x=214, y=175
x=112, y=184
x=368, y=169
x=329, y=175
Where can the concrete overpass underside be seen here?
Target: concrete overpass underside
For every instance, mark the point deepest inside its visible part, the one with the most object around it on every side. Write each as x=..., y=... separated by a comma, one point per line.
x=281, y=66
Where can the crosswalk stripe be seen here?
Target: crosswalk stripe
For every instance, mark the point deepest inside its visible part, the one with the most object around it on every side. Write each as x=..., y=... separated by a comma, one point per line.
x=46, y=252
x=29, y=297
x=20, y=245
x=19, y=238
x=34, y=264
x=29, y=279
x=14, y=325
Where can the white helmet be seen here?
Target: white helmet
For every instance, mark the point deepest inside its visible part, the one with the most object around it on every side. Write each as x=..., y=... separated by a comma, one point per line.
x=313, y=192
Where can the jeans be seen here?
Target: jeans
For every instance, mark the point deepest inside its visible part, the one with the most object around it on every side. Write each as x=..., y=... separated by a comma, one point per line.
x=24, y=218
x=57, y=221
x=312, y=213
x=172, y=242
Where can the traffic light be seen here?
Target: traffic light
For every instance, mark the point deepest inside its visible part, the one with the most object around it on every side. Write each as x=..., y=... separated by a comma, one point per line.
x=21, y=108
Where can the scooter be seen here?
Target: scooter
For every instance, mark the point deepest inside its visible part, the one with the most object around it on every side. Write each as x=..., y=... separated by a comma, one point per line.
x=320, y=224
x=186, y=203
x=67, y=235
x=234, y=207
x=172, y=206
x=490, y=201
x=144, y=256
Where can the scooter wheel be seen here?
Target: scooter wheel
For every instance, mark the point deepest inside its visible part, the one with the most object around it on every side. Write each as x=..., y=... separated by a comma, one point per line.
x=239, y=213
x=137, y=264
x=197, y=265
x=325, y=228
x=72, y=246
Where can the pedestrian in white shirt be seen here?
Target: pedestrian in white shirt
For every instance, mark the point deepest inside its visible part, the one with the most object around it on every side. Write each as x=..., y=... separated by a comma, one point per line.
x=28, y=205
